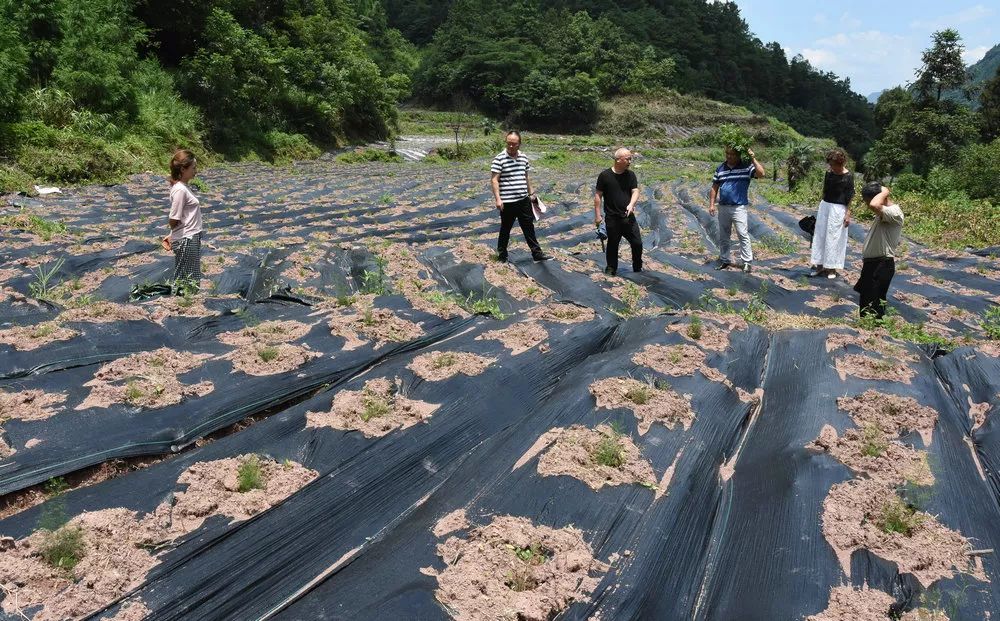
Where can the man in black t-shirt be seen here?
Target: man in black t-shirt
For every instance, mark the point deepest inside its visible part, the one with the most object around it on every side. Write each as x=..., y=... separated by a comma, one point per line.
x=619, y=189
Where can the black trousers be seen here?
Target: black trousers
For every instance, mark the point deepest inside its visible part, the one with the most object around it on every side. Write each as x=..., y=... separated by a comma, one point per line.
x=521, y=211
x=873, y=286
x=628, y=228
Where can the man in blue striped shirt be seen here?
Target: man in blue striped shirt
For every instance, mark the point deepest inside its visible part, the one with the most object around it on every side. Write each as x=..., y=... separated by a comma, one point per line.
x=514, y=196
x=730, y=186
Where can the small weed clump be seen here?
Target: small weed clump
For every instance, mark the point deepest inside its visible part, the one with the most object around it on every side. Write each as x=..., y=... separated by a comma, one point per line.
x=991, y=322
x=903, y=330
x=375, y=282
x=268, y=353
x=443, y=360
x=639, y=395
x=631, y=298
x=133, y=392
x=63, y=548
x=375, y=406
x=483, y=305
x=43, y=330
x=521, y=579
x=33, y=224
x=874, y=441
x=778, y=244
x=250, y=475
x=609, y=451
x=41, y=289
x=899, y=517
x=534, y=554
x=694, y=329
x=756, y=310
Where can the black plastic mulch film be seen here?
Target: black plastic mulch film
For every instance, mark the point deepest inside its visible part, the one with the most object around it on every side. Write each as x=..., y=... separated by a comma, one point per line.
x=350, y=545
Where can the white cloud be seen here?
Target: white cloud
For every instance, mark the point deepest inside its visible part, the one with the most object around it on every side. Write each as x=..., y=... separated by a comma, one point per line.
x=872, y=59
x=974, y=55
x=850, y=22
x=965, y=16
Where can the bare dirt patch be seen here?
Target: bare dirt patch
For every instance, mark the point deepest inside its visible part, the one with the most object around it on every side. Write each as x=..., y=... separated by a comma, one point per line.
x=649, y=403
x=977, y=412
x=598, y=457
x=104, y=312
x=213, y=488
x=456, y=520
x=27, y=338
x=518, y=337
x=519, y=286
x=893, y=414
x=408, y=277
x=31, y=404
x=823, y=301
x=850, y=604
x=147, y=379
x=871, y=452
x=115, y=553
x=375, y=410
x=266, y=333
x=868, y=367
x=111, y=563
x=562, y=313
x=178, y=306
x=263, y=359
x=512, y=569
x=440, y=365
x=730, y=295
x=867, y=514
x=378, y=324
x=674, y=360
x=706, y=335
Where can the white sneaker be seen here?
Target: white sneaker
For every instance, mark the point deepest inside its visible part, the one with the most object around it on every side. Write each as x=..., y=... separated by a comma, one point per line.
x=813, y=273
x=831, y=275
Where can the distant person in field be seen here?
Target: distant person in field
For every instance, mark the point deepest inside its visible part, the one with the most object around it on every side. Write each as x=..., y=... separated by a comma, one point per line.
x=184, y=219
x=829, y=245
x=618, y=188
x=878, y=254
x=730, y=187
x=514, y=197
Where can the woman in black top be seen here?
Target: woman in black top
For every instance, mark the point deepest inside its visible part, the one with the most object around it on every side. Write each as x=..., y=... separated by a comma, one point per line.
x=829, y=244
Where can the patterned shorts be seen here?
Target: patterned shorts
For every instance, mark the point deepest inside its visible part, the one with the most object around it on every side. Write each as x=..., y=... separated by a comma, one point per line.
x=187, y=258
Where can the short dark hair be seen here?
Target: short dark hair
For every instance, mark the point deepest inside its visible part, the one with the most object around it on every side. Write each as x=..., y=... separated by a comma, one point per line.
x=514, y=132
x=836, y=155
x=871, y=190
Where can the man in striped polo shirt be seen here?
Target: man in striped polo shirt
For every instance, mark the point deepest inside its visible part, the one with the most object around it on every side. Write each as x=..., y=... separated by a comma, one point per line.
x=513, y=195
x=730, y=185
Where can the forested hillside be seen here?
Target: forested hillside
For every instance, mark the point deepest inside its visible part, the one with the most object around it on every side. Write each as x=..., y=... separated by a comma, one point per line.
x=504, y=56
x=90, y=89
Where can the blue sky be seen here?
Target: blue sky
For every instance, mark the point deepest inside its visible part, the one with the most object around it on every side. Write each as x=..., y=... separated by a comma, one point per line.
x=875, y=43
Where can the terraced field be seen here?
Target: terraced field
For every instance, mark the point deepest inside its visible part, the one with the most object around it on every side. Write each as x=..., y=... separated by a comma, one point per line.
x=362, y=415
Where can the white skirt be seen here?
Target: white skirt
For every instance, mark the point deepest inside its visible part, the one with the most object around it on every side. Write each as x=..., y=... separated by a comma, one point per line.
x=830, y=238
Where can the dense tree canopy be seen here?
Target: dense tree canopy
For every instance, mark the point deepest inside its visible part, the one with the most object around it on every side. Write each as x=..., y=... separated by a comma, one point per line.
x=258, y=73
x=484, y=51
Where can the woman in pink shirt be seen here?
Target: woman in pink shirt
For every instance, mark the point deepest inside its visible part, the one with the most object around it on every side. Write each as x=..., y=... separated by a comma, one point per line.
x=185, y=219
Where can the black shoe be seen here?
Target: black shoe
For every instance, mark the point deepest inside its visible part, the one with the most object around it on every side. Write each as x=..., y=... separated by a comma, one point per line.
x=501, y=258
x=610, y=271
x=541, y=257
x=636, y=270
x=746, y=268
x=723, y=265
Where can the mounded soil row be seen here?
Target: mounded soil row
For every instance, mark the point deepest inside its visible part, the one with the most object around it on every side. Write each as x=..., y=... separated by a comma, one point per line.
x=375, y=410
x=512, y=569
